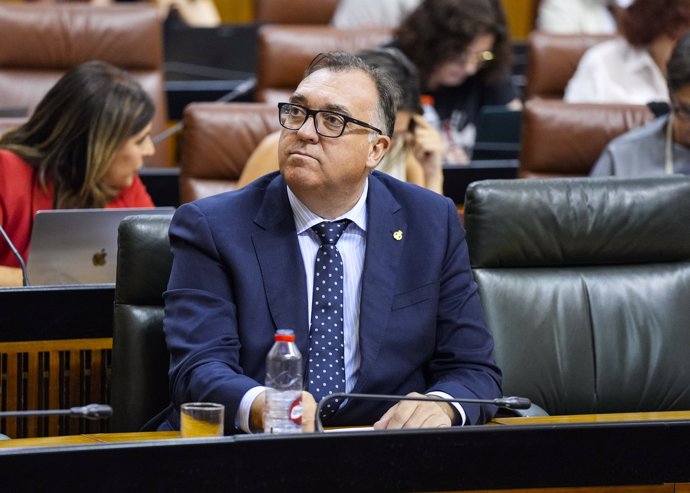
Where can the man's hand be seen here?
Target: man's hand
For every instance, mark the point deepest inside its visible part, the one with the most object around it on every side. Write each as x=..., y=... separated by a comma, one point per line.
x=256, y=420
x=417, y=414
x=308, y=412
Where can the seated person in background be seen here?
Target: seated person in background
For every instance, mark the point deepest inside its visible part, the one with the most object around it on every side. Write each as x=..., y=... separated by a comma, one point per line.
x=411, y=320
x=365, y=13
x=662, y=146
x=197, y=13
x=580, y=16
x=81, y=148
x=416, y=153
x=462, y=51
x=631, y=69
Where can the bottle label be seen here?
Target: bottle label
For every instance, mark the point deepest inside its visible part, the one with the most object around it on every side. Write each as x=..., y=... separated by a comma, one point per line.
x=295, y=411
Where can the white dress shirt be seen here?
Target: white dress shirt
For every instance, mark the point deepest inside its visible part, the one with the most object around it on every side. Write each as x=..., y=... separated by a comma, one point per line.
x=615, y=72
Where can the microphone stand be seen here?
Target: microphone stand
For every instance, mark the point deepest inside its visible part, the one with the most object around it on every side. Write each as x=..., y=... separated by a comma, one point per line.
x=505, y=402
x=91, y=411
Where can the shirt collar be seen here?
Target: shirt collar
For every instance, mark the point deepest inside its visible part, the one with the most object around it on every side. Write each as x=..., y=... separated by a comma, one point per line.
x=305, y=219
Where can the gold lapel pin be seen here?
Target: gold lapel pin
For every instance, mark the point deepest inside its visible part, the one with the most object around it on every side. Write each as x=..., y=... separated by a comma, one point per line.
x=398, y=235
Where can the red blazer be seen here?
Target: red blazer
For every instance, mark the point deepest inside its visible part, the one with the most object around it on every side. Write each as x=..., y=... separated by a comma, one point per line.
x=21, y=196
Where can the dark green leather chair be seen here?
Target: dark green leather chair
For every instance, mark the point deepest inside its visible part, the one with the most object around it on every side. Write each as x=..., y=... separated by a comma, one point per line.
x=586, y=286
x=139, y=384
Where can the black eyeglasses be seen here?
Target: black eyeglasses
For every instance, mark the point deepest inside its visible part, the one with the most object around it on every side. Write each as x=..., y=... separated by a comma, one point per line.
x=326, y=123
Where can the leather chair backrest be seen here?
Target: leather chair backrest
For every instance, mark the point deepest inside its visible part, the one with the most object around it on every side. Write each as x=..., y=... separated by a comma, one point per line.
x=298, y=12
x=9, y=122
x=286, y=50
x=585, y=284
x=566, y=139
x=553, y=59
x=41, y=41
x=140, y=363
x=218, y=138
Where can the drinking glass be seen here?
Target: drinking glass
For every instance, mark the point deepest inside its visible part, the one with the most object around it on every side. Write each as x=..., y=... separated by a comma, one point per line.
x=202, y=419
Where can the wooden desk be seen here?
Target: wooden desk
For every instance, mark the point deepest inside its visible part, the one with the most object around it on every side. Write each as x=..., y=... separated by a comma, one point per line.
x=612, y=453
x=88, y=439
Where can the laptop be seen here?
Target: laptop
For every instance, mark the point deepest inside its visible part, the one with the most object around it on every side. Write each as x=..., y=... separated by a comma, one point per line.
x=77, y=246
x=498, y=133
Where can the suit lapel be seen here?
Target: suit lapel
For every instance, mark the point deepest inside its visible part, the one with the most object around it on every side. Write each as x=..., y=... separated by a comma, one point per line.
x=282, y=269
x=386, y=233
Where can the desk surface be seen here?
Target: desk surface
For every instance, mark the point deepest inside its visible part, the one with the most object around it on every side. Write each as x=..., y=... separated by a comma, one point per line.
x=545, y=452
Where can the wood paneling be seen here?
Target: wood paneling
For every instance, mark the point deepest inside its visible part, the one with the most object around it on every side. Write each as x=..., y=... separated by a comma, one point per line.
x=59, y=374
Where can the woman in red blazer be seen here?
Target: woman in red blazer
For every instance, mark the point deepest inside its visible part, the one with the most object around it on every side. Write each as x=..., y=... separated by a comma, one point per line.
x=81, y=148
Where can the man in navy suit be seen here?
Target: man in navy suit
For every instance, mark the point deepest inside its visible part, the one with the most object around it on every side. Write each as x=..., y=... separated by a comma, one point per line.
x=412, y=321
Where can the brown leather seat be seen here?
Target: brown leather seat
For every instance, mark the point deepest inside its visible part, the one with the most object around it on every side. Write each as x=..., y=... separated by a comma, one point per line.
x=553, y=59
x=41, y=41
x=8, y=123
x=285, y=52
x=566, y=139
x=298, y=11
x=218, y=138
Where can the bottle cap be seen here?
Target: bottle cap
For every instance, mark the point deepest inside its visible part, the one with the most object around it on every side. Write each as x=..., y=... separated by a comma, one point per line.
x=284, y=335
x=427, y=99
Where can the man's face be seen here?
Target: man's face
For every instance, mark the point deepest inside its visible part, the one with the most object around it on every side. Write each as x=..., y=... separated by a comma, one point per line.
x=311, y=163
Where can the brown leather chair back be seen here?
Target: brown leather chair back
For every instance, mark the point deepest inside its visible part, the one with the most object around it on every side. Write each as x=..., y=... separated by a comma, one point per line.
x=9, y=122
x=217, y=140
x=553, y=59
x=285, y=52
x=298, y=11
x=41, y=41
x=566, y=139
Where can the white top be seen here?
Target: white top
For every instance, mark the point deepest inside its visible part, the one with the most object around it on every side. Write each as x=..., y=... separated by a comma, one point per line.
x=615, y=72
x=575, y=16
x=370, y=13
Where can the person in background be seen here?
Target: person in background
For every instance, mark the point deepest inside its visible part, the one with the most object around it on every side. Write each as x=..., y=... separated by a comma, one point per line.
x=580, y=16
x=462, y=51
x=81, y=148
x=365, y=13
x=196, y=13
x=631, y=69
x=662, y=146
x=416, y=153
x=244, y=266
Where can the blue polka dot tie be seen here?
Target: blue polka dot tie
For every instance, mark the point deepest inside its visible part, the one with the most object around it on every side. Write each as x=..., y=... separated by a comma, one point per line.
x=326, y=345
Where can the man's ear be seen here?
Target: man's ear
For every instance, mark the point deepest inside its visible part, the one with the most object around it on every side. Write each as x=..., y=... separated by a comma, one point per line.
x=379, y=149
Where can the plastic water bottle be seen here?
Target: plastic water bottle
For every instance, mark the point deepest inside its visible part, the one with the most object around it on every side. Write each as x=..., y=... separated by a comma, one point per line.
x=283, y=408
x=430, y=114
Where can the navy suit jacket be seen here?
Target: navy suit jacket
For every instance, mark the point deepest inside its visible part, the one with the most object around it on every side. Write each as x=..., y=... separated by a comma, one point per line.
x=238, y=276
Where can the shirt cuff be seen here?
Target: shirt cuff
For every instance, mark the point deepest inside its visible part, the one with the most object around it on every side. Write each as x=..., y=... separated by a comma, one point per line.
x=456, y=405
x=244, y=411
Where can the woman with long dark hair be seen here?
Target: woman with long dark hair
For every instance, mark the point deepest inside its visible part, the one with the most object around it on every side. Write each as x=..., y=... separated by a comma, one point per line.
x=81, y=148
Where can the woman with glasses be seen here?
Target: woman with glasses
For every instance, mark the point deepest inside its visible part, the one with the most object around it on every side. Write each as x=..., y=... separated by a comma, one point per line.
x=416, y=152
x=630, y=69
x=461, y=49
x=662, y=146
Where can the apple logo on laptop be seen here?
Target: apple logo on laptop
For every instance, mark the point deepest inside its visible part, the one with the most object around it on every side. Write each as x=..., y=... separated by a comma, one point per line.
x=99, y=258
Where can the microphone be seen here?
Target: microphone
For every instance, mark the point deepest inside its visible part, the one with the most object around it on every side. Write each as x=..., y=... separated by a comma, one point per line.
x=505, y=402
x=241, y=88
x=90, y=411
x=15, y=252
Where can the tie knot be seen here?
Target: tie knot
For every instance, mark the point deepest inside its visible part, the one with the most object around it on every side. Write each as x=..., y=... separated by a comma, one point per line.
x=329, y=232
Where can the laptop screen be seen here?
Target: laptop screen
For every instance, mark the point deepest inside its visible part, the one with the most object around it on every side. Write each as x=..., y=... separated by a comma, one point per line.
x=77, y=246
